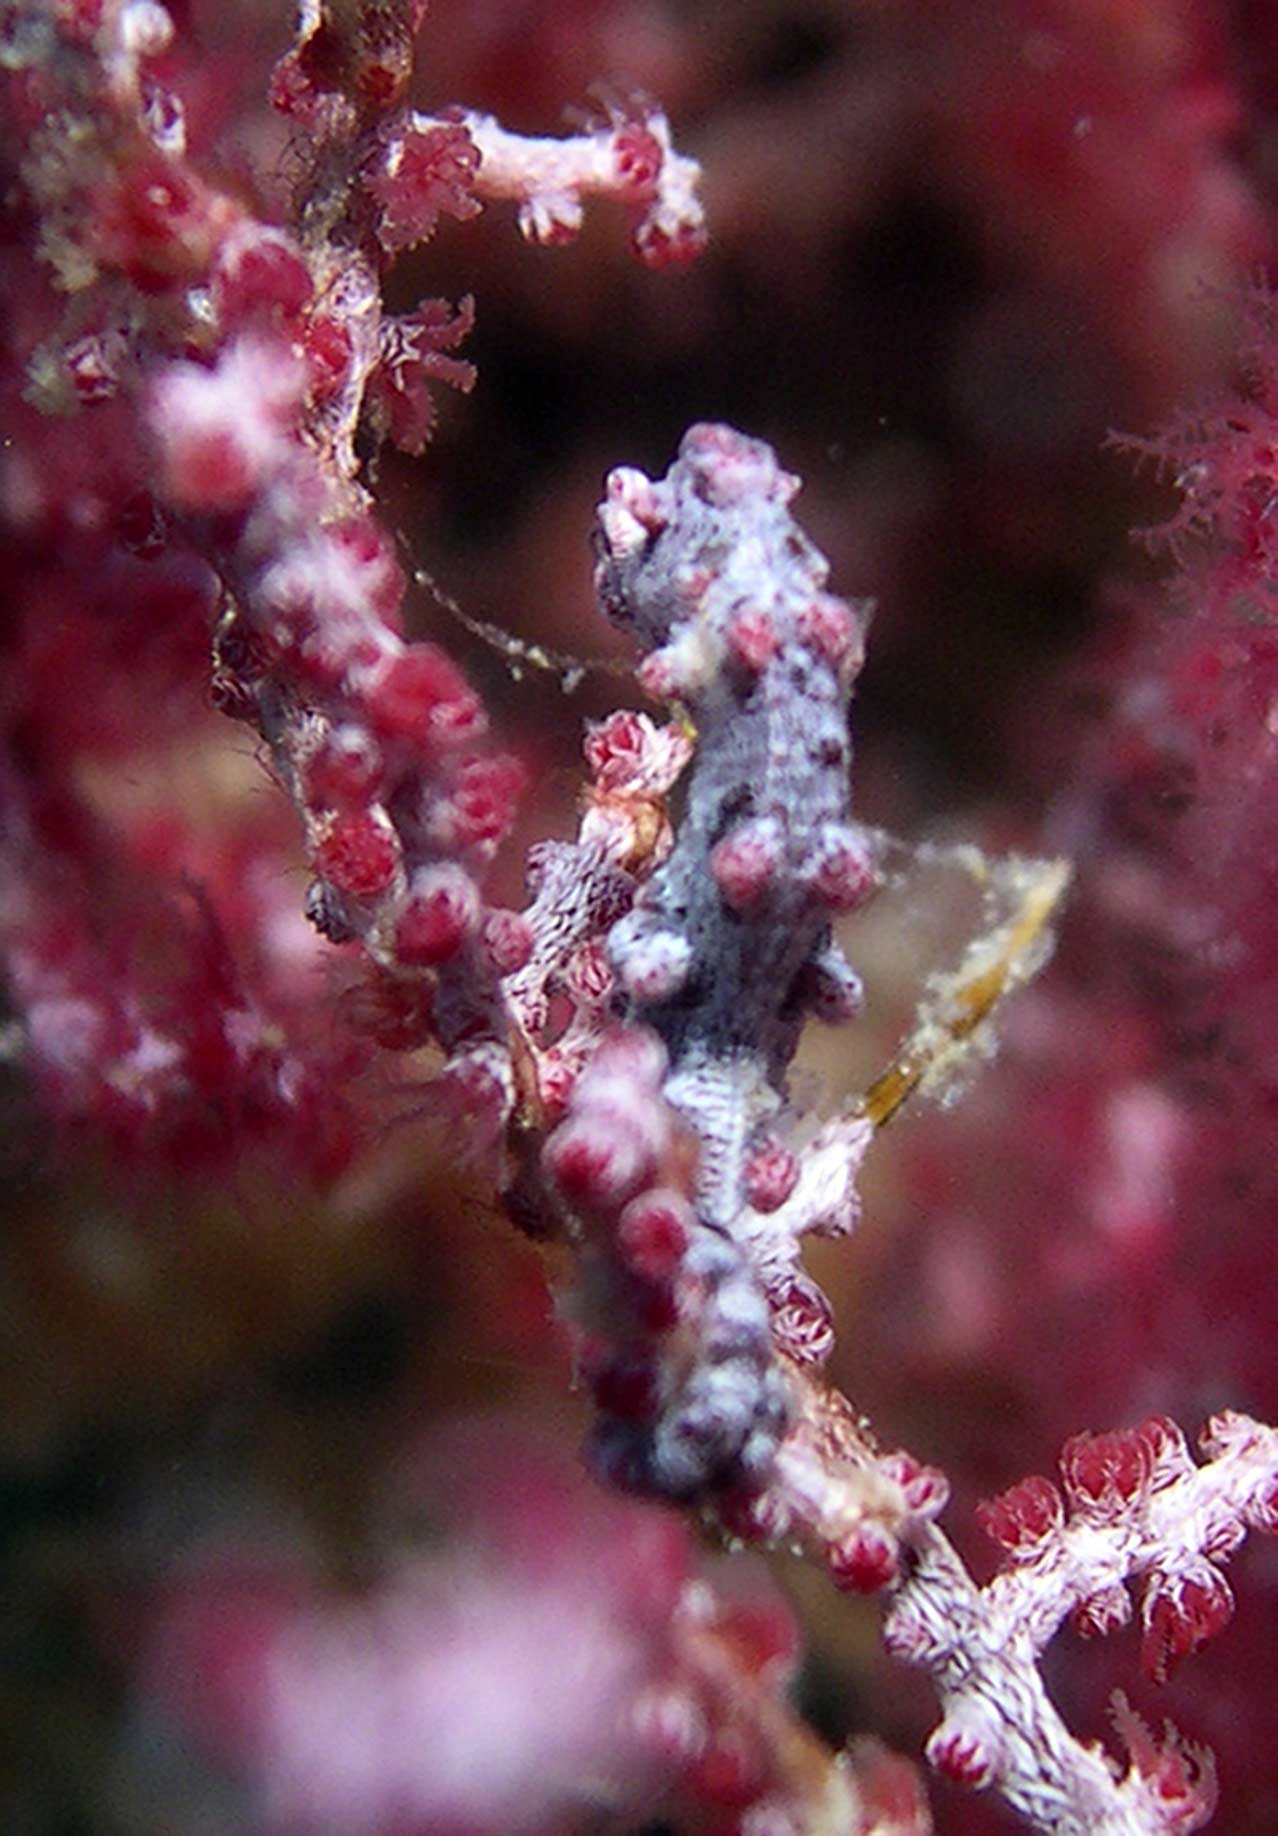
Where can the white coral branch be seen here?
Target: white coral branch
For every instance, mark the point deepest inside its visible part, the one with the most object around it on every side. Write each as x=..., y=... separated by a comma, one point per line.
x=629, y=157
x=1140, y=1511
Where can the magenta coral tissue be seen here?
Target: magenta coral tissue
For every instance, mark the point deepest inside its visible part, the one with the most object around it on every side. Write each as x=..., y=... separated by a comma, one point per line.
x=330, y=952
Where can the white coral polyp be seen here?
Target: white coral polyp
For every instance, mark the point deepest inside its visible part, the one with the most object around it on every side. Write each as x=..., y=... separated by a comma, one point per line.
x=223, y=431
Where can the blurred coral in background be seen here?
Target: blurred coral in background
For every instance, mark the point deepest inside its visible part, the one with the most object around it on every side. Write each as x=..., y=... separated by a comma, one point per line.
x=318, y=335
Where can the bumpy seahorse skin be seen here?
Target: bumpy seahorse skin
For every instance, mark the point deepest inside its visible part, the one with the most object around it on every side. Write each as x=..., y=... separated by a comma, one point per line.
x=729, y=945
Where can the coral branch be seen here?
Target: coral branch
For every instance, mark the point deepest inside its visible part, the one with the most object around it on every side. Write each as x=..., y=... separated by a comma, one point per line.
x=254, y=365
x=625, y=1043
x=1136, y=1509
x=630, y=157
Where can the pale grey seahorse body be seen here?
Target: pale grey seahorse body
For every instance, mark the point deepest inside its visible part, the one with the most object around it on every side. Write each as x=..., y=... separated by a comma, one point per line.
x=711, y=573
